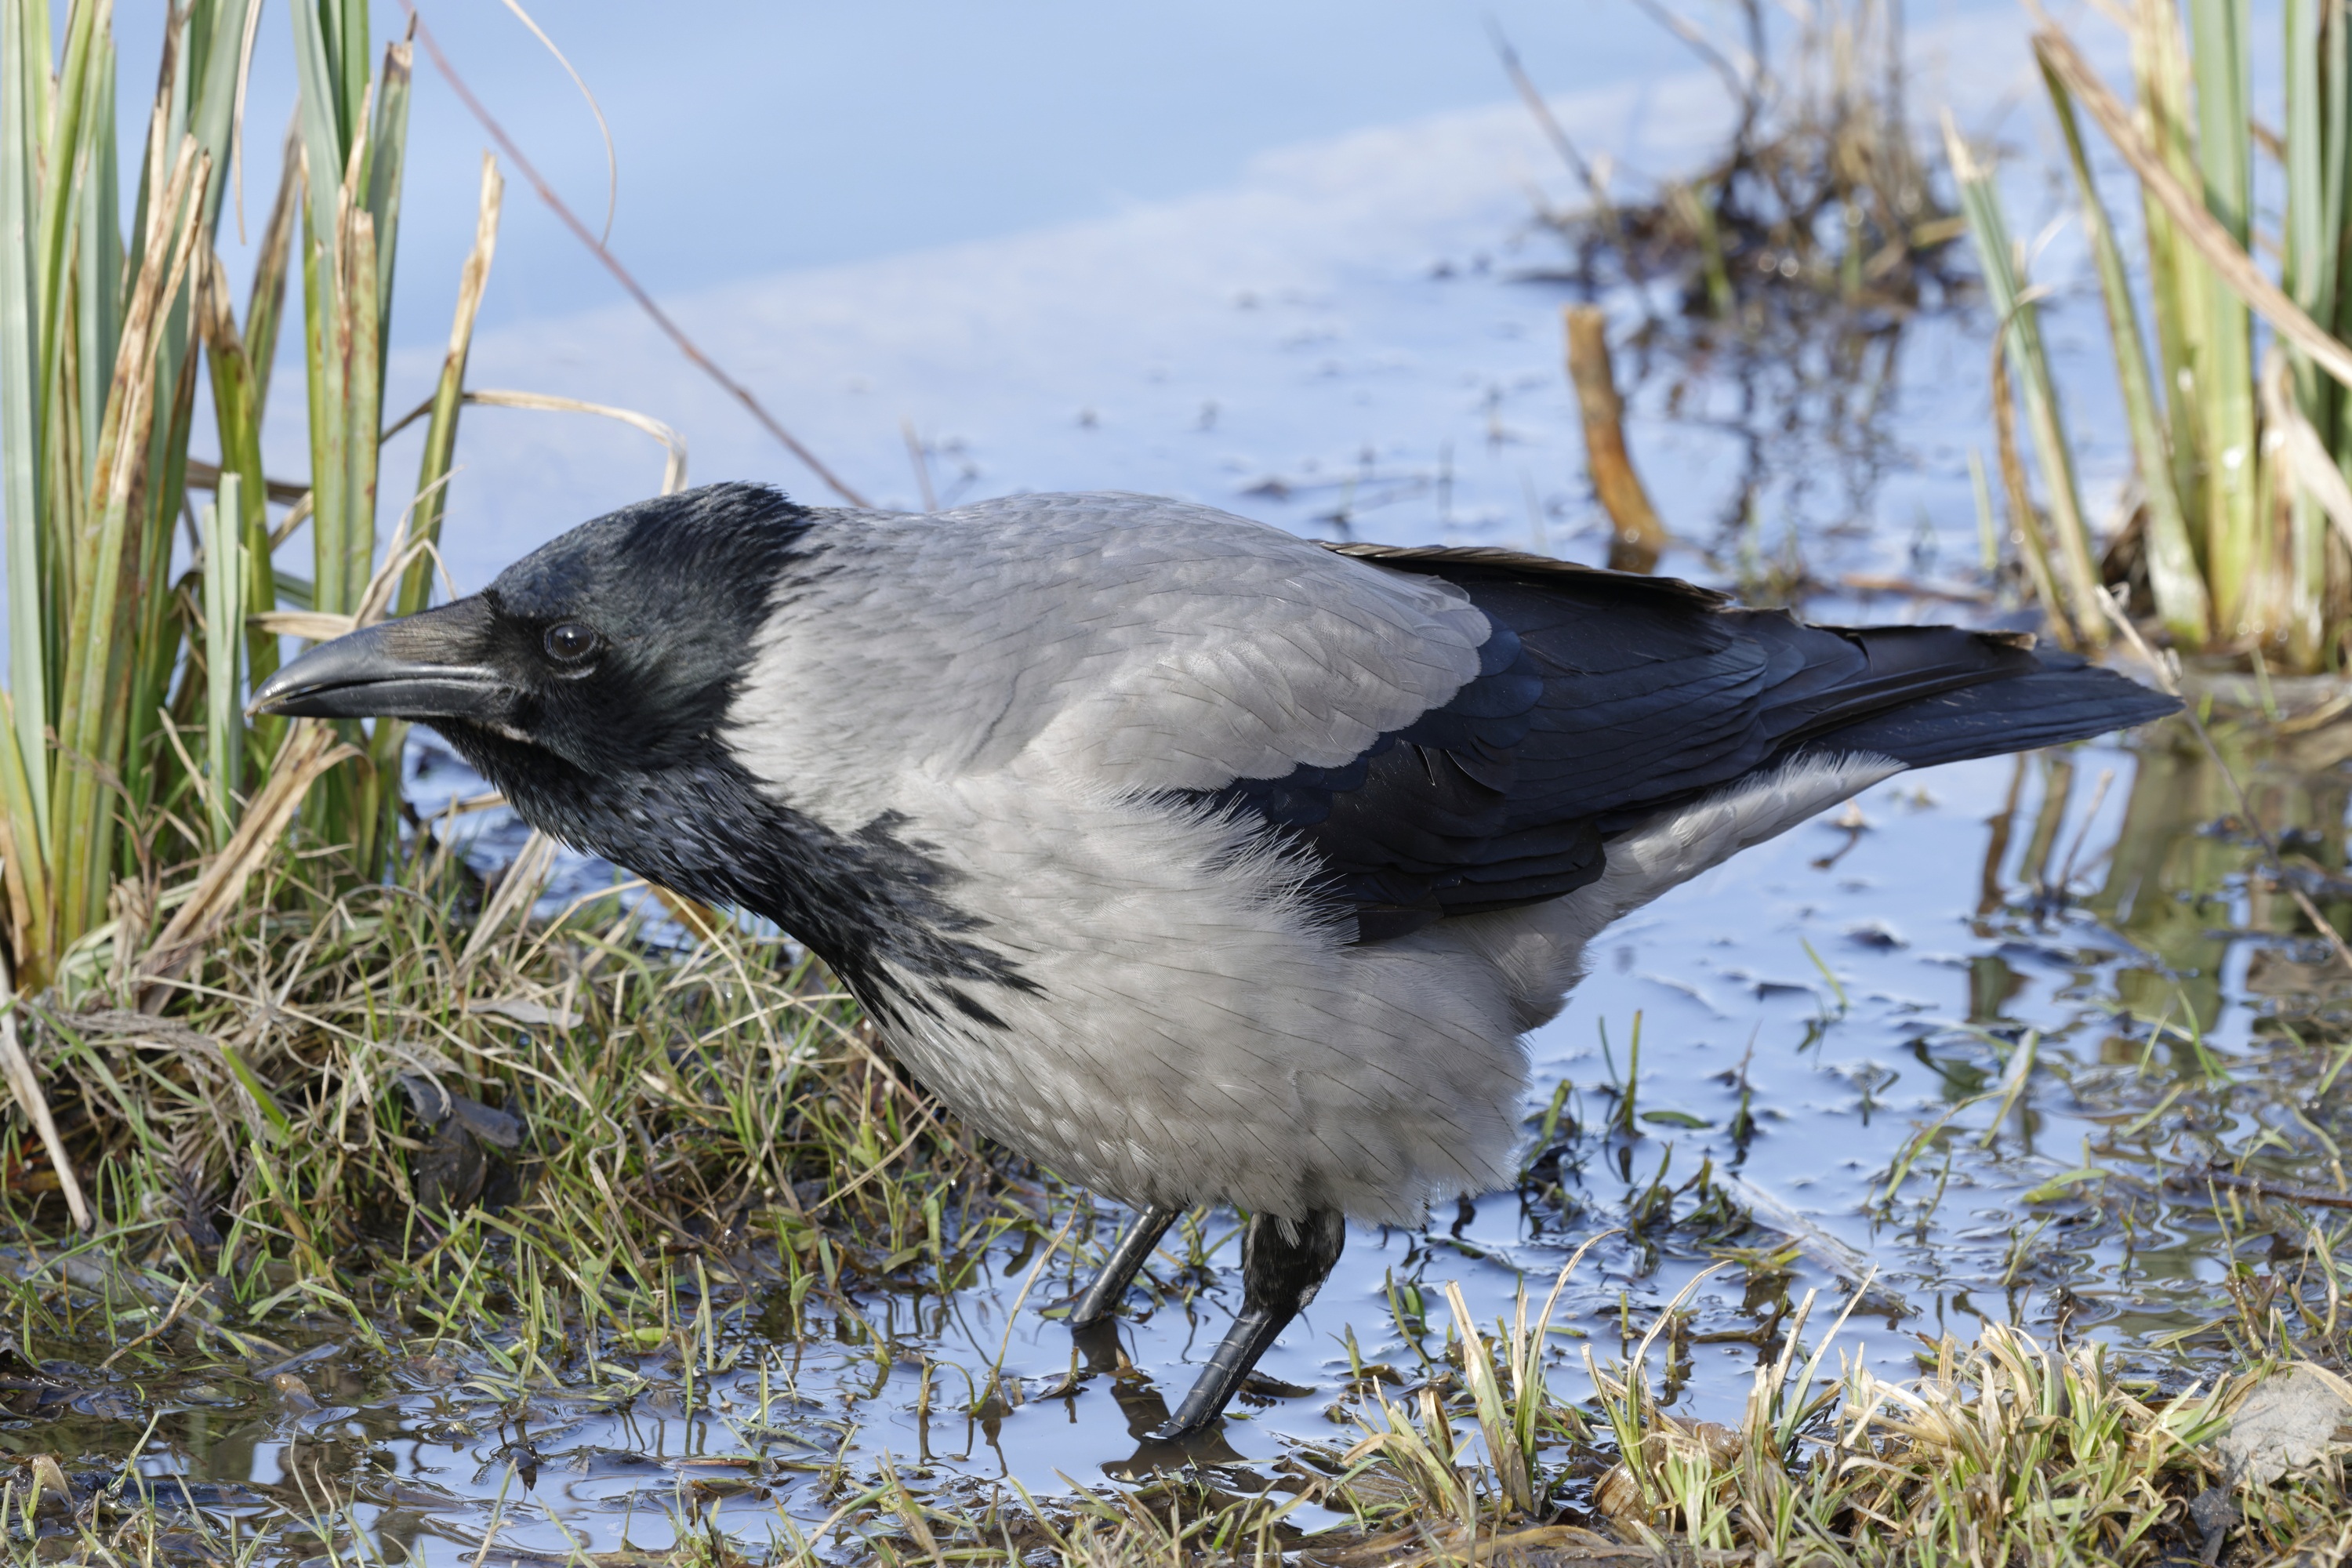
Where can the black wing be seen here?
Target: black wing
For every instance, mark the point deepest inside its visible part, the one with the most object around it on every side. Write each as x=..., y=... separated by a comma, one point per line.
x=1603, y=697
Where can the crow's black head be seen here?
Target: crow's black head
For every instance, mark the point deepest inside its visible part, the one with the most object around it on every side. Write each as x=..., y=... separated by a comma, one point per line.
x=590, y=683
x=614, y=649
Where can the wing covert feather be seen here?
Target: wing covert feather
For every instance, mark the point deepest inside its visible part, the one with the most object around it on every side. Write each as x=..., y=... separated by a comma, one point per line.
x=1124, y=642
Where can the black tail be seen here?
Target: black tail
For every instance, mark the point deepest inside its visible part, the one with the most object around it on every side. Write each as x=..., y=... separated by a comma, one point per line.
x=2061, y=699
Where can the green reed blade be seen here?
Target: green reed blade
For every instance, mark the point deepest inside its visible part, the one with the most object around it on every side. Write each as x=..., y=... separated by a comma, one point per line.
x=2178, y=277
x=25, y=60
x=91, y=723
x=214, y=41
x=388, y=143
x=265, y=309
x=236, y=414
x=2317, y=108
x=2012, y=305
x=82, y=333
x=198, y=108
x=2336, y=193
x=83, y=64
x=31, y=924
x=98, y=264
x=319, y=113
x=2236, y=539
x=328, y=35
x=2173, y=578
x=2222, y=67
x=223, y=589
x=322, y=381
x=364, y=394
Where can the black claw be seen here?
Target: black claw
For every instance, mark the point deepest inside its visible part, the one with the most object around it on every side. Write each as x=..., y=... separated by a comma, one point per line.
x=1284, y=1262
x=1119, y=1271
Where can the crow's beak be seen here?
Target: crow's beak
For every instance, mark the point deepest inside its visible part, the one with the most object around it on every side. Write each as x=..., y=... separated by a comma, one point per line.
x=429, y=666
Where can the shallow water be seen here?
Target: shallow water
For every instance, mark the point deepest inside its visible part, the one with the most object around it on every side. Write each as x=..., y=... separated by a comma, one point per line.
x=1804, y=1013
x=2036, y=987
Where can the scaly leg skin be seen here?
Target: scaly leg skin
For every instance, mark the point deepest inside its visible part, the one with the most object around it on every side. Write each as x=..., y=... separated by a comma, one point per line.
x=1284, y=1262
x=1109, y=1284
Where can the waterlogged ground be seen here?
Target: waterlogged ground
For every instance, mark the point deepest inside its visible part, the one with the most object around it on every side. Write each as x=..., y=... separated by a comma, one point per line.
x=1956, y=1043
x=1961, y=1051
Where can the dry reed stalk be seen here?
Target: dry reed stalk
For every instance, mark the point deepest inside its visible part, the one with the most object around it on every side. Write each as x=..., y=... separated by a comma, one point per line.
x=2198, y=226
x=2024, y=523
x=2306, y=454
x=309, y=751
x=24, y=1083
x=635, y=291
x=673, y=470
x=1636, y=536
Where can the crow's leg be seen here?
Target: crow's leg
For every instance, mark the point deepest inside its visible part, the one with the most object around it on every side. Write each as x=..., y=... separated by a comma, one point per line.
x=1110, y=1281
x=1282, y=1264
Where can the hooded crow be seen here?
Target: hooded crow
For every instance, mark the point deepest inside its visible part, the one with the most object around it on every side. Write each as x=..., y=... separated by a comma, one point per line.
x=1197, y=862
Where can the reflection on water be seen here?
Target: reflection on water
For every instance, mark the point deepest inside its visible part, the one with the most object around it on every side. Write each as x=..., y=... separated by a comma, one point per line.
x=2187, y=881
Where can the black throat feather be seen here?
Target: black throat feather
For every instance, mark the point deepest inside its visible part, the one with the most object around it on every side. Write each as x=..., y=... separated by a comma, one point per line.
x=866, y=903
x=627, y=759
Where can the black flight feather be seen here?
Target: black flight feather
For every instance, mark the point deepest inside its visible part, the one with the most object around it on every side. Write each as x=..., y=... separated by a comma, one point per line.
x=1603, y=697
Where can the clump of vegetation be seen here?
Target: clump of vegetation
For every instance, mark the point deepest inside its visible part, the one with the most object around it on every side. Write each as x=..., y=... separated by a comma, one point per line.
x=2240, y=506
x=1818, y=198
x=361, y=1082
x=1779, y=276
x=128, y=769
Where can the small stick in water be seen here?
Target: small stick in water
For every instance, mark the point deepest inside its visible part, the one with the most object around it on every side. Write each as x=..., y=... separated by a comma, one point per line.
x=1637, y=538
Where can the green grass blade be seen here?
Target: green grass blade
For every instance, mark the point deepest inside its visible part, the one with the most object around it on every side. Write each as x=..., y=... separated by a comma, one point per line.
x=224, y=586
x=2173, y=576
x=2005, y=292
x=2237, y=542
x=24, y=56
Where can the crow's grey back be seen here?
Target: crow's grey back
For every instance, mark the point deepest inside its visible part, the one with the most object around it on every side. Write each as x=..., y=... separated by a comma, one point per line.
x=1128, y=643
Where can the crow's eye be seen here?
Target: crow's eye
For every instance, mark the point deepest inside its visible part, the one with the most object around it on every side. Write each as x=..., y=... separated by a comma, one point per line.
x=569, y=642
